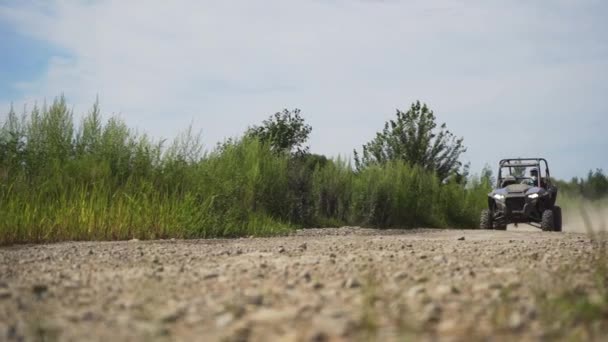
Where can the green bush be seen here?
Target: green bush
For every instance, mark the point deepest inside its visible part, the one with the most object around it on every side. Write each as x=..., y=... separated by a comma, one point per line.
x=101, y=180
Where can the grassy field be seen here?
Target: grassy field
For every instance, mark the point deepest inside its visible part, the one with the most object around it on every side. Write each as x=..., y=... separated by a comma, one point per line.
x=100, y=180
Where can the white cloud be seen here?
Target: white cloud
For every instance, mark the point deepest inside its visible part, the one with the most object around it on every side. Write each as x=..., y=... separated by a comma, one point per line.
x=348, y=64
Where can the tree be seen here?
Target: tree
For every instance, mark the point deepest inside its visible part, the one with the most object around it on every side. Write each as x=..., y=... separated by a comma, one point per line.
x=285, y=131
x=487, y=176
x=596, y=184
x=414, y=138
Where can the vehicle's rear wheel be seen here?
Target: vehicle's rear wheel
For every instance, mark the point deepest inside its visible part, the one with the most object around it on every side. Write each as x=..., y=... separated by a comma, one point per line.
x=557, y=216
x=485, y=221
x=548, y=220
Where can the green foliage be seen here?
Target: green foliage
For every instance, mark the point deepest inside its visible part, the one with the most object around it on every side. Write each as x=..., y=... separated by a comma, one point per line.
x=101, y=180
x=413, y=138
x=285, y=131
x=594, y=187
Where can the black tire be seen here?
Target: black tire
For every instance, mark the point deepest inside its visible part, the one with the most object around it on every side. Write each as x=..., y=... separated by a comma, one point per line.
x=500, y=226
x=485, y=221
x=548, y=220
x=557, y=213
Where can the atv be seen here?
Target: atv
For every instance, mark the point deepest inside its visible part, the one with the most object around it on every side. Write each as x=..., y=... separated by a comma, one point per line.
x=522, y=198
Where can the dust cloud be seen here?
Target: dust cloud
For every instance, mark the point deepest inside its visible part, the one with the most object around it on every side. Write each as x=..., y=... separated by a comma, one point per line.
x=585, y=215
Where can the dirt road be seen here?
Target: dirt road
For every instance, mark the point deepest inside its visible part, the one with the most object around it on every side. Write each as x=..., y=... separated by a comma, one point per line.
x=330, y=284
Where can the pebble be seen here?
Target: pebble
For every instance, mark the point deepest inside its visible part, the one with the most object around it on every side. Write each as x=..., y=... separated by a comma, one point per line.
x=5, y=293
x=400, y=275
x=172, y=315
x=224, y=319
x=415, y=291
x=515, y=320
x=256, y=300
x=439, y=258
x=39, y=289
x=352, y=283
x=443, y=290
x=431, y=313
x=306, y=275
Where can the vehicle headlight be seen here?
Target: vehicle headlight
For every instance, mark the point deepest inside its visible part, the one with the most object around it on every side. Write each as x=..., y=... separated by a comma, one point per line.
x=499, y=197
x=533, y=196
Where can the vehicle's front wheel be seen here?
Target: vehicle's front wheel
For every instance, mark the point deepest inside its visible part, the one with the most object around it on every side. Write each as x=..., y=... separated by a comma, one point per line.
x=485, y=221
x=557, y=216
x=500, y=225
x=548, y=220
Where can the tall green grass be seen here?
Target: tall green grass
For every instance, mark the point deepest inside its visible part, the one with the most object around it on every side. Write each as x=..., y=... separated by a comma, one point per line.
x=61, y=180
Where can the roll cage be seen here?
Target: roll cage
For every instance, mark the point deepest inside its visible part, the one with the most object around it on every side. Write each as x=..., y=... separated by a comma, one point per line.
x=519, y=163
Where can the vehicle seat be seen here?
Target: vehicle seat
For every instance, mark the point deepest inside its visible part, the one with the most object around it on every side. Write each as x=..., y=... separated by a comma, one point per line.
x=508, y=180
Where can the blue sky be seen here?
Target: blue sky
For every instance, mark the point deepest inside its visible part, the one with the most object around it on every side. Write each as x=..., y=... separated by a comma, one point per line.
x=514, y=78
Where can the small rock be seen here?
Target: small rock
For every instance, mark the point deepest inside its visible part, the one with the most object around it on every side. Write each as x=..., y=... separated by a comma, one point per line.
x=401, y=275
x=431, y=313
x=306, y=275
x=303, y=246
x=481, y=287
x=503, y=270
x=88, y=316
x=439, y=258
x=495, y=286
x=172, y=315
x=461, y=238
x=134, y=240
x=211, y=275
x=447, y=326
x=415, y=291
x=5, y=293
x=317, y=285
x=240, y=333
x=256, y=300
x=224, y=319
x=266, y=315
x=421, y=279
x=352, y=283
x=443, y=290
x=318, y=336
x=546, y=258
x=515, y=320
x=281, y=249
x=39, y=289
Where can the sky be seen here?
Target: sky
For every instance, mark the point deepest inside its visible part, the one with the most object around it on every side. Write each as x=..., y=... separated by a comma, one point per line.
x=514, y=78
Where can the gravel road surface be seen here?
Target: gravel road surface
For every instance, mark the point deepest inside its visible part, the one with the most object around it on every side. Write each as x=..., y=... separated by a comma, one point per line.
x=316, y=285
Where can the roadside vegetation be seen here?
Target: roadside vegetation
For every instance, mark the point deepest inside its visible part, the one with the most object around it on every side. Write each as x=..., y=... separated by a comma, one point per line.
x=98, y=179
